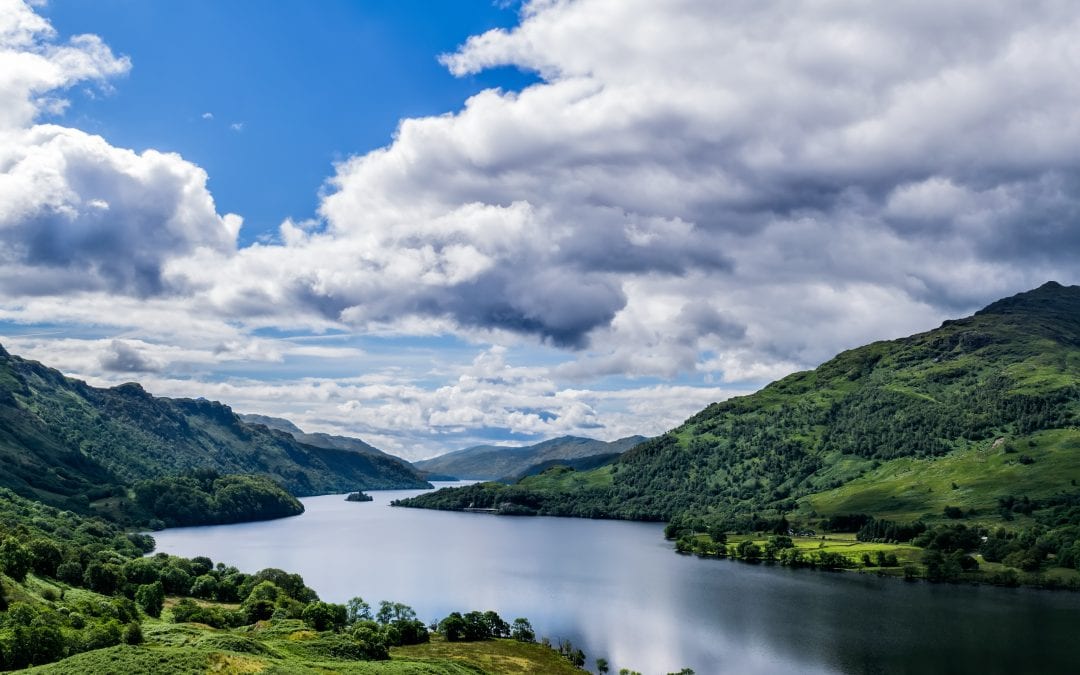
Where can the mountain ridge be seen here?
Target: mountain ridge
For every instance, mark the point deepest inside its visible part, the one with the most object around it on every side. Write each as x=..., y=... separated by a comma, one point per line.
x=67, y=443
x=492, y=462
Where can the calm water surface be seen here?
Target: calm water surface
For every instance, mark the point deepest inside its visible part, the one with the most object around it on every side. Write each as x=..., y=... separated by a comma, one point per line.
x=617, y=590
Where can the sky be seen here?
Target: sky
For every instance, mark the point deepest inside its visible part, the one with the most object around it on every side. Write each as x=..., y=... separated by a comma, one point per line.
x=432, y=224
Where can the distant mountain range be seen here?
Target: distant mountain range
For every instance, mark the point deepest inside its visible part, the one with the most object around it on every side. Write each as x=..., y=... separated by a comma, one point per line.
x=319, y=440
x=67, y=443
x=494, y=462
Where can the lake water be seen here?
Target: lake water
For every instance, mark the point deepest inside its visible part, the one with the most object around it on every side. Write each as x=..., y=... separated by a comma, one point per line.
x=617, y=590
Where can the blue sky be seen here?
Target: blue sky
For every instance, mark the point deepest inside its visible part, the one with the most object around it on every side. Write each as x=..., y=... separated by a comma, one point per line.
x=434, y=224
x=310, y=83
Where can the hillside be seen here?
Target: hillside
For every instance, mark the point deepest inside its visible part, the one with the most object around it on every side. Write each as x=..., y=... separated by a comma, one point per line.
x=978, y=414
x=492, y=462
x=322, y=440
x=67, y=443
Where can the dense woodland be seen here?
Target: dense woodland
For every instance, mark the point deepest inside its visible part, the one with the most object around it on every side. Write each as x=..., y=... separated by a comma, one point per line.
x=204, y=497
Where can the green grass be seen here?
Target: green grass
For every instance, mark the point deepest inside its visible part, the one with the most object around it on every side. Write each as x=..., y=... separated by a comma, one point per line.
x=280, y=647
x=908, y=488
x=567, y=480
x=845, y=544
x=491, y=656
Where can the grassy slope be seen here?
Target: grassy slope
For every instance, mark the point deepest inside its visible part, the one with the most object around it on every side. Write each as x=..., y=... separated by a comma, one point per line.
x=908, y=488
x=491, y=656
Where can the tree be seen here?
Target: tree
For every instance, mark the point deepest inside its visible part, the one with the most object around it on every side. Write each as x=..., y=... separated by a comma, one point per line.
x=357, y=610
x=204, y=586
x=176, y=580
x=151, y=598
x=45, y=557
x=522, y=630
x=133, y=634
x=496, y=627
x=394, y=611
x=14, y=558
x=602, y=665
x=748, y=550
x=453, y=627
x=324, y=616
x=102, y=578
x=70, y=572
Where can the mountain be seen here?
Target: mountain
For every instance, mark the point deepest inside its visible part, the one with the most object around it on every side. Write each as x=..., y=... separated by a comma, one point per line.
x=969, y=419
x=67, y=443
x=491, y=462
x=319, y=440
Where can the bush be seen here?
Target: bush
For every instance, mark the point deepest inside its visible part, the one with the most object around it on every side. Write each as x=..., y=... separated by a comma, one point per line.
x=133, y=634
x=324, y=616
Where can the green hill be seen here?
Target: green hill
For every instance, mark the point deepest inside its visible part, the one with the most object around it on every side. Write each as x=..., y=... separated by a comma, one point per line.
x=69, y=444
x=970, y=415
x=493, y=462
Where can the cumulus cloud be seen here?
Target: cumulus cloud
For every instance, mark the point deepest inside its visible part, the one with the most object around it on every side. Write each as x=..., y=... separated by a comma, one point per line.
x=679, y=162
x=76, y=213
x=79, y=214
x=33, y=67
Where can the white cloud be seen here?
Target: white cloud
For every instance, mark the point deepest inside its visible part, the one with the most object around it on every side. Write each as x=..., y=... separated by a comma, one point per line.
x=79, y=214
x=33, y=67
x=815, y=154
x=76, y=213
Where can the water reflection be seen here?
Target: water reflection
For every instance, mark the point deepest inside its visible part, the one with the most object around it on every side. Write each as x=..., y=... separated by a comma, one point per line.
x=616, y=590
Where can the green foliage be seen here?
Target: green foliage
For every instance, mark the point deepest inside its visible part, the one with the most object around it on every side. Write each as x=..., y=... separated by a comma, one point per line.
x=15, y=559
x=324, y=616
x=203, y=497
x=357, y=610
x=473, y=626
x=151, y=598
x=522, y=630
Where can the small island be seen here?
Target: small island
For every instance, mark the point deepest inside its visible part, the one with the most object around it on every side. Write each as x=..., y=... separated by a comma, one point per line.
x=359, y=497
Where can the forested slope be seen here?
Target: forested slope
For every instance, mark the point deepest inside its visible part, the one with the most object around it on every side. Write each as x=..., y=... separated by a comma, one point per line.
x=67, y=443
